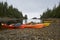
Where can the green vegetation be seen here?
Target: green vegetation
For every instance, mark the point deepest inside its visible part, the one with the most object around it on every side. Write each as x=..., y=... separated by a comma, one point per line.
x=25, y=17
x=9, y=11
x=54, y=13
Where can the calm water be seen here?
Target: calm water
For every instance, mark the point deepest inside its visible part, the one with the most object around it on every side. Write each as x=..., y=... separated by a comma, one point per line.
x=32, y=20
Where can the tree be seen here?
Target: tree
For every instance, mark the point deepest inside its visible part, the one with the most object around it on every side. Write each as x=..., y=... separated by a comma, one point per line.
x=25, y=17
x=9, y=11
x=54, y=13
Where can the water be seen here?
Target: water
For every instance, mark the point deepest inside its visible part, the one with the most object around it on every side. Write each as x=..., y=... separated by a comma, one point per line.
x=32, y=20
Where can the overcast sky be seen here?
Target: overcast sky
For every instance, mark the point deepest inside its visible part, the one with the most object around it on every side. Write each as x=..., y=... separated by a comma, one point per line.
x=33, y=8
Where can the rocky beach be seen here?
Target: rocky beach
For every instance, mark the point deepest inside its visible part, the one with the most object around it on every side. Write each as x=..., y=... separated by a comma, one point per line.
x=52, y=32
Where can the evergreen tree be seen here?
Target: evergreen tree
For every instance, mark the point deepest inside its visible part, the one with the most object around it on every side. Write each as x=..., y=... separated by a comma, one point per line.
x=54, y=13
x=9, y=11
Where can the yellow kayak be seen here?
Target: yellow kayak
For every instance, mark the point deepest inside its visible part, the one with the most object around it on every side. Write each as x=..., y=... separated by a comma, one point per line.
x=46, y=24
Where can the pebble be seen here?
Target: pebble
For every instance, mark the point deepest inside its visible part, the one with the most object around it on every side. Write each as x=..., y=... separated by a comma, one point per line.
x=48, y=33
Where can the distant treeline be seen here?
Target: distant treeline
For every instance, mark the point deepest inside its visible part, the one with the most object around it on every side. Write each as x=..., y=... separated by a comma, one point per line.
x=52, y=13
x=9, y=11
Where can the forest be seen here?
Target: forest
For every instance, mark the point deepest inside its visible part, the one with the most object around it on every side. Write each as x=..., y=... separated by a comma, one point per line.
x=9, y=11
x=52, y=13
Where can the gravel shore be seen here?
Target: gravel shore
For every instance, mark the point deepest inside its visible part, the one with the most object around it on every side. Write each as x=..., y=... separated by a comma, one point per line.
x=48, y=33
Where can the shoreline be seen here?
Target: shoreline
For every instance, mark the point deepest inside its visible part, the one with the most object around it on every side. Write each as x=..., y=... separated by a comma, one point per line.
x=48, y=33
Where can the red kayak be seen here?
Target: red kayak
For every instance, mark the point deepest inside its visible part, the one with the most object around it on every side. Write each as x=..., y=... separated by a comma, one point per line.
x=7, y=26
x=23, y=26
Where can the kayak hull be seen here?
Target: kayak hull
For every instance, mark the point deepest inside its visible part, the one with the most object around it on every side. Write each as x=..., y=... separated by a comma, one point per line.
x=7, y=26
x=24, y=26
x=32, y=26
